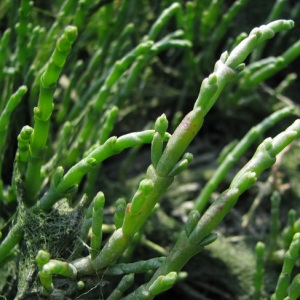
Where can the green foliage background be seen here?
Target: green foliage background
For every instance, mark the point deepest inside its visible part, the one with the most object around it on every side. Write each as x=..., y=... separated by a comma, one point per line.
x=166, y=81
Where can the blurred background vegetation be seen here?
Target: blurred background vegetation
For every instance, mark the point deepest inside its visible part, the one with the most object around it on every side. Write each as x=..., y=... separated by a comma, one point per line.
x=167, y=83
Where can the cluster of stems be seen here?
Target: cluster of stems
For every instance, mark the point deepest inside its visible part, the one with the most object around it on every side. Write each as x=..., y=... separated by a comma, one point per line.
x=169, y=161
x=40, y=180
x=290, y=259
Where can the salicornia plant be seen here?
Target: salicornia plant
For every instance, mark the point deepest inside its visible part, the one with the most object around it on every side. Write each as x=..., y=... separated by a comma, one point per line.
x=72, y=225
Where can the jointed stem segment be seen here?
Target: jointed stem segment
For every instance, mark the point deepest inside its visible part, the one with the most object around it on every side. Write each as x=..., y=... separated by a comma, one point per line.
x=42, y=114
